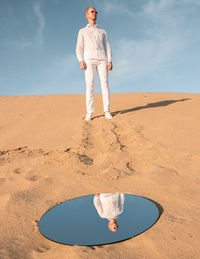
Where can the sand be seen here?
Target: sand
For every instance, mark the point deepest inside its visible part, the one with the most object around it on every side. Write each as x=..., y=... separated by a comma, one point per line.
x=49, y=154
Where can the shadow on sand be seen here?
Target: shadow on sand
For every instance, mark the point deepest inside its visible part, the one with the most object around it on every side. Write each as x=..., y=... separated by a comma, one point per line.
x=149, y=105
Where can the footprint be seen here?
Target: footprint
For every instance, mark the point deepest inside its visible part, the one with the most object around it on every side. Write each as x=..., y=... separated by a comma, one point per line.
x=130, y=168
x=42, y=249
x=2, y=180
x=80, y=172
x=2, y=152
x=32, y=178
x=19, y=171
x=26, y=196
x=161, y=173
x=117, y=136
x=170, y=171
x=35, y=226
x=115, y=173
x=176, y=219
x=85, y=159
x=85, y=142
x=30, y=175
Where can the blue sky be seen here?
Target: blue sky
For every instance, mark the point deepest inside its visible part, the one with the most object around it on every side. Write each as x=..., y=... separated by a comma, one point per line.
x=155, y=45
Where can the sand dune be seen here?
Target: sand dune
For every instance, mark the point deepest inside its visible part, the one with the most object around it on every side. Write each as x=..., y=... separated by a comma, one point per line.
x=49, y=154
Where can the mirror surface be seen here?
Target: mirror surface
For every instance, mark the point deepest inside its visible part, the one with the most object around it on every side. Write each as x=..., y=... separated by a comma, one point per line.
x=98, y=219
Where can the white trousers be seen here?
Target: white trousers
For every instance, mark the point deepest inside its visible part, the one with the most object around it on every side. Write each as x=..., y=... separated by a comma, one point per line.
x=100, y=66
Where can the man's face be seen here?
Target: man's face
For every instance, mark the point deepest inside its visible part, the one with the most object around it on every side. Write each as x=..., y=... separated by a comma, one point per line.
x=91, y=14
x=113, y=226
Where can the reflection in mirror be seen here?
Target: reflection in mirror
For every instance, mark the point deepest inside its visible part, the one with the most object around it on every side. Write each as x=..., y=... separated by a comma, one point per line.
x=109, y=206
x=103, y=218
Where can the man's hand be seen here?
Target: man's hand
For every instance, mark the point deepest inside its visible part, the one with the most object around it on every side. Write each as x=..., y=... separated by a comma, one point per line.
x=109, y=65
x=83, y=65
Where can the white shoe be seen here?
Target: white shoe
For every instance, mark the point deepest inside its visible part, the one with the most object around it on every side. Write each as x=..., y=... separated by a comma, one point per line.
x=88, y=117
x=108, y=115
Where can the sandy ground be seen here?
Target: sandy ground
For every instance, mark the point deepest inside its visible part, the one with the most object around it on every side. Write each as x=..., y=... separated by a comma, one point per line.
x=49, y=154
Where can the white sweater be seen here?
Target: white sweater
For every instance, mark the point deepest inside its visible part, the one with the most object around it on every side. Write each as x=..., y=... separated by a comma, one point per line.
x=109, y=205
x=92, y=43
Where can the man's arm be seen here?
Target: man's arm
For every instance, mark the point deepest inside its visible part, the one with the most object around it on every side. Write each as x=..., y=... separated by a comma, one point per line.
x=80, y=50
x=98, y=206
x=109, y=54
x=80, y=47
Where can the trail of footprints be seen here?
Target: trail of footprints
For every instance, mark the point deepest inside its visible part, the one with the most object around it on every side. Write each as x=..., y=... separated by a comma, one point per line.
x=101, y=151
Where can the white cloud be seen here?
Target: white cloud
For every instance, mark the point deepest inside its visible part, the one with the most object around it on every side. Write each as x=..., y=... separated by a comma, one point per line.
x=157, y=6
x=154, y=7
x=40, y=22
x=120, y=7
x=35, y=24
x=140, y=58
x=186, y=2
x=167, y=33
x=20, y=44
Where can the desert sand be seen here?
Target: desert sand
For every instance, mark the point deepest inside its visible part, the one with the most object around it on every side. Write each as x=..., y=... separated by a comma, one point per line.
x=49, y=154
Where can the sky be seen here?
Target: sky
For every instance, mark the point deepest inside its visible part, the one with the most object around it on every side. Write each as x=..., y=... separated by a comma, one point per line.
x=155, y=45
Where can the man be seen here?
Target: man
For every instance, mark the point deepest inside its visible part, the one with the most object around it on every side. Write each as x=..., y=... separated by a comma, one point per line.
x=109, y=205
x=94, y=54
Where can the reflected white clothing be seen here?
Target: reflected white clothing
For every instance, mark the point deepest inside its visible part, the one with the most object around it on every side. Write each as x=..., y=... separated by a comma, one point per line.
x=92, y=43
x=100, y=66
x=109, y=205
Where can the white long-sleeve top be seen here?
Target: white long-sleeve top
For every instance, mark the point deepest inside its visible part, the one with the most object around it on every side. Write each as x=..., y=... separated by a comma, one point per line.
x=109, y=205
x=92, y=43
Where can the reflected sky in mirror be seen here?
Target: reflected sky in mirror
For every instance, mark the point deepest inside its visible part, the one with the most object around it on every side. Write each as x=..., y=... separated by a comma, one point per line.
x=98, y=219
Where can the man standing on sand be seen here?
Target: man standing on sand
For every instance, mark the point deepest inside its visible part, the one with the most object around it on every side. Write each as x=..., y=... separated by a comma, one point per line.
x=94, y=54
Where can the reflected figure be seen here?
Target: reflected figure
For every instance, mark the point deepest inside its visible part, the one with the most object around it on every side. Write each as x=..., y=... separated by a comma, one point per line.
x=109, y=206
